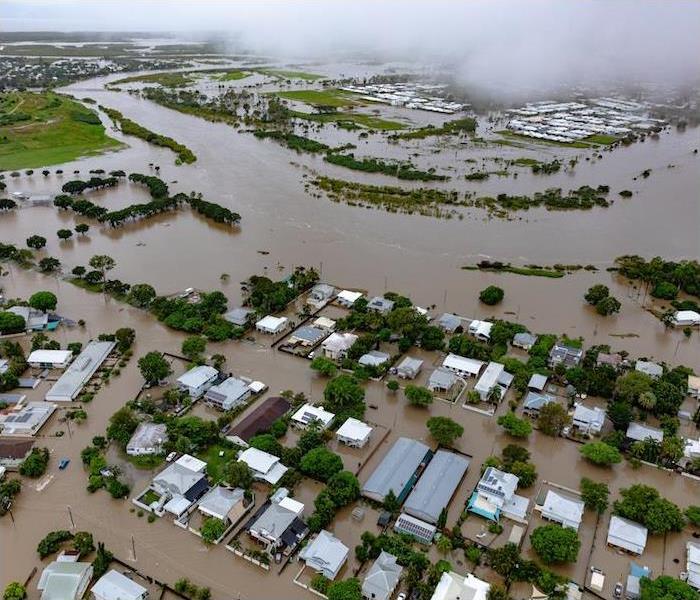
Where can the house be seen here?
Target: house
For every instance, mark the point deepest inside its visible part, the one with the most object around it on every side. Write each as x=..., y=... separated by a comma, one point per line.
x=50, y=359
x=694, y=386
x=494, y=376
x=277, y=526
x=147, y=439
x=347, y=298
x=588, y=420
x=224, y=503
x=611, y=359
x=563, y=509
x=638, y=432
x=324, y=323
x=524, y=340
x=449, y=323
x=647, y=367
x=309, y=414
x=197, y=380
x=534, y=402
x=374, y=358
x=686, y=318
x=481, y=330
x=265, y=467
x=13, y=451
x=64, y=580
x=228, y=394
x=320, y=294
x=537, y=382
x=180, y=485
x=325, y=554
x=115, y=586
x=628, y=535
x=27, y=420
x=691, y=451
x=306, y=335
x=462, y=366
x=260, y=419
x=397, y=470
x=633, y=587
x=272, y=325
x=561, y=354
x=35, y=320
x=354, y=433
x=409, y=367
x=460, y=587
x=336, y=345
x=442, y=381
x=79, y=372
x=381, y=305
x=239, y=316
x=382, y=578
x=420, y=530
x=495, y=495
x=436, y=486
x=693, y=564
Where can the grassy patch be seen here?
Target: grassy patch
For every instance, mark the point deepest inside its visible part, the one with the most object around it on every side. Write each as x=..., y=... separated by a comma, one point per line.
x=331, y=97
x=527, y=271
x=164, y=79
x=282, y=74
x=404, y=170
x=467, y=124
x=149, y=497
x=216, y=463
x=361, y=119
x=526, y=162
x=47, y=129
x=232, y=75
x=602, y=139
x=148, y=461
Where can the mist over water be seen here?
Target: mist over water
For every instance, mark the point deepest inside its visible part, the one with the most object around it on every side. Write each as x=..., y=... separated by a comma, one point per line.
x=500, y=47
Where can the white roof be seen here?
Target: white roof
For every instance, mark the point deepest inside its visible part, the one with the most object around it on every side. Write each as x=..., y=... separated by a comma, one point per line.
x=687, y=316
x=258, y=460
x=462, y=364
x=481, y=328
x=336, y=342
x=592, y=416
x=692, y=448
x=177, y=505
x=627, y=534
x=28, y=419
x=564, y=509
x=537, y=382
x=349, y=297
x=354, y=429
x=453, y=586
x=291, y=504
x=79, y=372
x=374, y=358
x=650, y=368
x=326, y=553
x=219, y=500
x=324, y=323
x=490, y=377
x=115, y=586
x=309, y=412
x=640, y=432
x=271, y=322
x=693, y=382
x=192, y=463
x=197, y=376
x=49, y=356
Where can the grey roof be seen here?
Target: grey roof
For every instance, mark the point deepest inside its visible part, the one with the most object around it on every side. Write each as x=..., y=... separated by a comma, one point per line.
x=441, y=379
x=115, y=586
x=374, y=358
x=177, y=480
x=449, y=322
x=308, y=334
x=535, y=401
x=381, y=304
x=410, y=365
x=382, y=578
x=325, y=554
x=498, y=483
x=537, y=382
x=238, y=316
x=396, y=469
x=524, y=339
x=565, y=354
x=563, y=508
x=274, y=521
x=79, y=371
x=228, y=393
x=649, y=368
x=627, y=534
x=322, y=291
x=639, y=432
x=220, y=500
x=148, y=435
x=436, y=486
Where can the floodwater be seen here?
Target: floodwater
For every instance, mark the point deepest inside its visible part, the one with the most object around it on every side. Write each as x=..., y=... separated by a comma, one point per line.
x=353, y=247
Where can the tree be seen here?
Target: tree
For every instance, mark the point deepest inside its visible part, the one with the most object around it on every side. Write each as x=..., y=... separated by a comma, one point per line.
x=141, y=295
x=320, y=463
x=497, y=592
x=391, y=502
x=491, y=295
x=64, y=234
x=347, y=589
x=631, y=385
x=344, y=397
x=125, y=337
x=418, y=395
x=212, y=529
x=36, y=242
x=692, y=513
x=600, y=453
x=608, y=306
x=595, y=495
x=324, y=366
x=392, y=385
x=647, y=400
x=444, y=430
x=267, y=443
x=596, y=293
x=432, y=338
x=49, y=264
x=11, y=323
x=193, y=347
x=52, y=542
x=555, y=544
x=122, y=425
x=79, y=271
x=102, y=263
x=83, y=543
x=644, y=504
x=552, y=419
x=444, y=545
x=14, y=591
x=238, y=474
x=82, y=228
x=103, y=559
x=43, y=301
x=343, y=488
x=35, y=464
x=665, y=587
x=515, y=426
x=154, y=367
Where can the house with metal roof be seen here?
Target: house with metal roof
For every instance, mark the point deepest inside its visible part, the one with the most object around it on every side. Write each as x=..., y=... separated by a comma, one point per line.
x=694, y=386
x=633, y=587
x=495, y=495
x=272, y=325
x=228, y=394
x=325, y=554
x=442, y=381
x=260, y=419
x=374, y=358
x=336, y=345
x=416, y=528
x=35, y=320
x=524, y=340
x=436, y=486
x=534, y=402
x=563, y=509
x=354, y=433
x=588, y=420
x=462, y=366
x=686, y=318
x=481, y=330
x=409, y=367
x=148, y=438
x=224, y=503
x=277, y=527
x=612, y=359
x=638, y=432
x=265, y=467
x=381, y=305
x=397, y=470
x=320, y=294
x=693, y=564
x=347, y=298
x=311, y=414
x=537, y=382
x=197, y=380
x=626, y=534
x=494, y=376
x=79, y=372
x=382, y=578
x=453, y=586
x=561, y=354
x=115, y=586
x=13, y=451
x=64, y=580
x=179, y=487
x=27, y=420
x=306, y=335
x=647, y=367
x=239, y=316
x=324, y=323
x=449, y=322
x=49, y=359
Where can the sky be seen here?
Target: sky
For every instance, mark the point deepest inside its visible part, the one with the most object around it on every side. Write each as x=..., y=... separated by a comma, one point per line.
x=487, y=42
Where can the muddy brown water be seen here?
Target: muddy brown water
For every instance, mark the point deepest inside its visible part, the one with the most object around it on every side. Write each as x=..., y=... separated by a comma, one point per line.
x=353, y=247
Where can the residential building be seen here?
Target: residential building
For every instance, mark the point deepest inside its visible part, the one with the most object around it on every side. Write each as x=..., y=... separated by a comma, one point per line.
x=626, y=534
x=563, y=509
x=324, y=323
x=462, y=366
x=278, y=527
x=148, y=438
x=224, y=503
x=26, y=420
x=381, y=305
x=611, y=359
x=409, y=367
x=320, y=294
x=64, y=580
x=79, y=372
x=453, y=586
x=115, y=586
x=239, y=316
x=374, y=358
x=494, y=376
x=180, y=485
x=260, y=419
x=534, y=402
x=306, y=335
x=311, y=414
x=691, y=451
x=524, y=340
x=35, y=320
x=647, y=367
x=13, y=451
x=325, y=554
x=272, y=325
x=418, y=529
x=382, y=578
x=693, y=564
x=347, y=298
x=397, y=470
x=265, y=467
x=228, y=394
x=537, y=382
x=694, y=386
x=336, y=345
x=442, y=381
x=354, y=433
x=686, y=318
x=588, y=420
x=481, y=330
x=561, y=354
x=197, y=380
x=633, y=586
x=436, y=486
x=49, y=359
x=638, y=432
x=495, y=495
x=449, y=323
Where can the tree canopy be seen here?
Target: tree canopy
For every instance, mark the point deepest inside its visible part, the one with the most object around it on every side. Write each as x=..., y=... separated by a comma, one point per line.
x=444, y=430
x=555, y=544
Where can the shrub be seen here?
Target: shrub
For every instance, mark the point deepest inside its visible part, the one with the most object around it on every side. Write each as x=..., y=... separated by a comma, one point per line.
x=491, y=295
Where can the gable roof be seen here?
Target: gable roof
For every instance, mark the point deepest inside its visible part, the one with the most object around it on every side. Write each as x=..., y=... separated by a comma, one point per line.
x=382, y=578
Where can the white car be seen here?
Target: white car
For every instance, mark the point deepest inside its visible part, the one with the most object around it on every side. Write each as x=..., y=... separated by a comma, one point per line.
x=171, y=457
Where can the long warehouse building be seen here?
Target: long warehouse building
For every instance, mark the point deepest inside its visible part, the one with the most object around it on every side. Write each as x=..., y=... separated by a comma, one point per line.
x=79, y=372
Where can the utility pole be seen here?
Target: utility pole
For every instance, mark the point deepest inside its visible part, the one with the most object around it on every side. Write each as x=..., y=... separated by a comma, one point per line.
x=70, y=515
x=133, y=547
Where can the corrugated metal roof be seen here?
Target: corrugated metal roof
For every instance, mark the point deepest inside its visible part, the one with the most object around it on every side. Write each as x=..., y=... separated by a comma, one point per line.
x=396, y=469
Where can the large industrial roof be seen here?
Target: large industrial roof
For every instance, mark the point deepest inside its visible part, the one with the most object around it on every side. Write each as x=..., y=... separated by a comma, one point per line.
x=396, y=469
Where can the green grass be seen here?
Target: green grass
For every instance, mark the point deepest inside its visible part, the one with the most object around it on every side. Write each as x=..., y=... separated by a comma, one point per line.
x=467, y=124
x=145, y=462
x=362, y=119
x=601, y=139
x=332, y=97
x=164, y=79
x=527, y=271
x=517, y=140
x=58, y=130
x=232, y=75
x=282, y=74
x=526, y=162
x=149, y=497
x=216, y=463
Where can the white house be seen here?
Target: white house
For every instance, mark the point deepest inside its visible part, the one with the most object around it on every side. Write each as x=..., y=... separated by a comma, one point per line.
x=382, y=578
x=686, y=318
x=272, y=325
x=336, y=345
x=481, y=330
x=79, y=372
x=694, y=386
x=462, y=366
x=409, y=367
x=324, y=323
x=562, y=509
x=693, y=564
x=381, y=305
x=64, y=580
x=265, y=467
x=628, y=535
x=320, y=294
x=197, y=380
x=374, y=358
x=347, y=298
x=325, y=554
x=223, y=503
x=147, y=439
x=50, y=359
x=494, y=376
x=453, y=586
x=310, y=413
x=115, y=586
x=638, y=432
x=647, y=367
x=28, y=420
x=588, y=420
x=228, y=394
x=495, y=495
x=354, y=433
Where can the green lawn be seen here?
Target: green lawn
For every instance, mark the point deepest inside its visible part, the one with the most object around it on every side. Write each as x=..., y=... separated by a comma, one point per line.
x=362, y=119
x=232, y=75
x=175, y=79
x=330, y=97
x=216, y=463
x=56, y=130
x=282, y=74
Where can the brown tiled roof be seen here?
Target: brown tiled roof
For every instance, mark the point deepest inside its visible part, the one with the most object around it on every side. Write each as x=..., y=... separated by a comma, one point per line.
x=261, y=418
x=13, y=448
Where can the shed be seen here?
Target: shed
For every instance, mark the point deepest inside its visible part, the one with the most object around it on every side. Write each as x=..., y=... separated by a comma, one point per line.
x=115, y=586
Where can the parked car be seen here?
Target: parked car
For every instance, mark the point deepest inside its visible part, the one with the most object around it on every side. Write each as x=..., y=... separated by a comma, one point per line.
x=171, y=457
x=64, y=463
x=617, y=592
